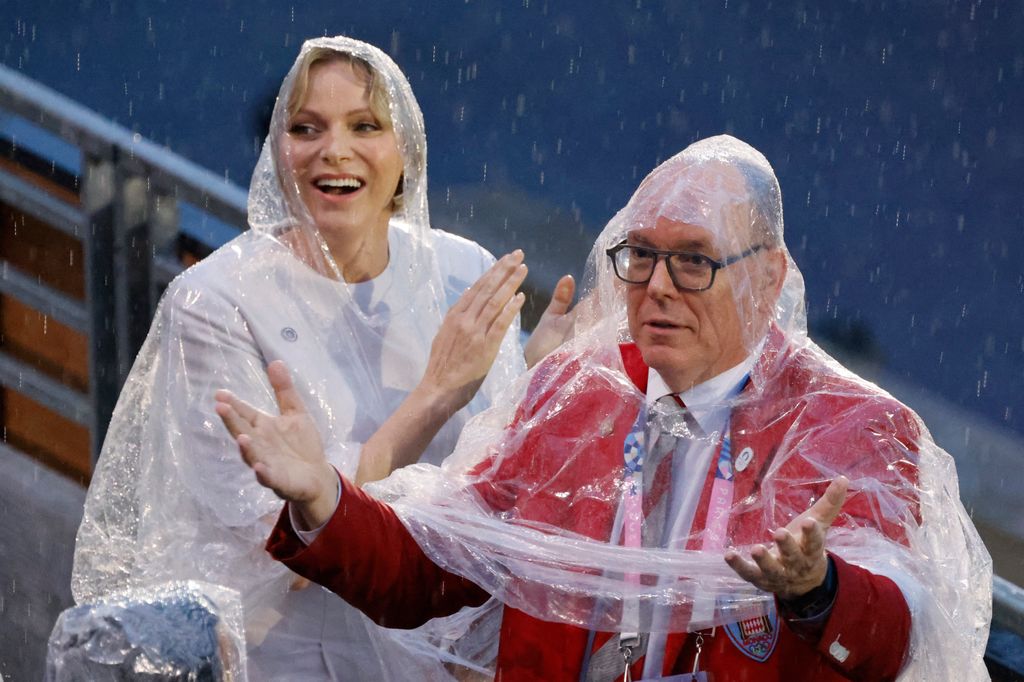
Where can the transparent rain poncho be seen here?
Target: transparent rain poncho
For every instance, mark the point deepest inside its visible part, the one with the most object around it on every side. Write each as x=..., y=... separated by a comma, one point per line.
x=529, y=505
x=176, y=632
x=170, y=497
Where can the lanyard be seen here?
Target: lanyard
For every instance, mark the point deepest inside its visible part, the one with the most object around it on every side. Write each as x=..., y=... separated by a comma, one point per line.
x=634, y=449
x=716, y=527
x=716, y=524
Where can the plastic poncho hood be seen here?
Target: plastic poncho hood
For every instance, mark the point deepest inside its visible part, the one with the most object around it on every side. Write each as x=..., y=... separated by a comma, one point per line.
x=274, y=203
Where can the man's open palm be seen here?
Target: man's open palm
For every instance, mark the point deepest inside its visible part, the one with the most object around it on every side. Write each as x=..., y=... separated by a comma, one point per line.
x=283, y=450
x=797, y=562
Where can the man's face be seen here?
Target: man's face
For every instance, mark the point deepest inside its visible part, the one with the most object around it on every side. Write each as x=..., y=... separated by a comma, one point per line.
x=692, y=336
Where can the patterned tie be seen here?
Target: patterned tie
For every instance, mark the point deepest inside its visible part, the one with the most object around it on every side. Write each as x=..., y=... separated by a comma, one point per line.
x=668, y=422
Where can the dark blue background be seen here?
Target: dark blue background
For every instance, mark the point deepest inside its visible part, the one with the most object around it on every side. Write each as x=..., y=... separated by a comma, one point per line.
x=896, y=129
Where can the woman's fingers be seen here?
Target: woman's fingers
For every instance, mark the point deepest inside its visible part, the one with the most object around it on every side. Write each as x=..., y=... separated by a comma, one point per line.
x=469, y=338
x=484, y=289
x=497, y=330
x=468, y=297
x=555, y=325
x=502, y=296
x=561, y=297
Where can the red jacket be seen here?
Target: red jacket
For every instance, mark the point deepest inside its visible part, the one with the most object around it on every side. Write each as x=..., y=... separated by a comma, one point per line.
x=844, y=428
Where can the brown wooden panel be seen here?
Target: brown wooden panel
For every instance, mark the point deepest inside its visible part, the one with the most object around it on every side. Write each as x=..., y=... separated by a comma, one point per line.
x=44, y=251
x=56, y=350
x=57, y=442
x=50, y=185
x=41, y=342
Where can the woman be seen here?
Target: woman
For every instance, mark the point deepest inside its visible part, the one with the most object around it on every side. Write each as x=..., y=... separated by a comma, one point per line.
x=341, y=276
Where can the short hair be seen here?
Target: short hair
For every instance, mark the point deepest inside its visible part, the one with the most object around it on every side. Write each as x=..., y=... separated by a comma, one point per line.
x=756, y=181
x=380, y=105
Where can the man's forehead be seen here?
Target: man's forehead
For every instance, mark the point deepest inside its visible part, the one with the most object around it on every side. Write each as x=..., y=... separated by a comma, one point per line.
x=668, y=233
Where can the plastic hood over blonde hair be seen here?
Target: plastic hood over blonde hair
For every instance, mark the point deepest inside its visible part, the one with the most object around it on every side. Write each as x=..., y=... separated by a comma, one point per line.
x=274, y=204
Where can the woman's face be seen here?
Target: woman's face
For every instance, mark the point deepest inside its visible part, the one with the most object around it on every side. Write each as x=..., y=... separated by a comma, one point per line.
x=345, y=163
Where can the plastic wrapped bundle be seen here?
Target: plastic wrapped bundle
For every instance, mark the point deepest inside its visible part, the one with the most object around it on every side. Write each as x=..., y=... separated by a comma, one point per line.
x=179, y=632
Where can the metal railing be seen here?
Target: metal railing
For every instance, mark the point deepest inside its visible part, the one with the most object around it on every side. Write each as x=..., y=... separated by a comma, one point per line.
x=127, y=220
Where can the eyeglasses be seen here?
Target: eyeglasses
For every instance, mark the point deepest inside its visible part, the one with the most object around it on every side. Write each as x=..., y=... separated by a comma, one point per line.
x=688, y=271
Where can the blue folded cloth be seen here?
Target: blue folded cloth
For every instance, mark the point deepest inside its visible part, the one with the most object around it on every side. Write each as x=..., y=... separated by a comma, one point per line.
x=174, y=638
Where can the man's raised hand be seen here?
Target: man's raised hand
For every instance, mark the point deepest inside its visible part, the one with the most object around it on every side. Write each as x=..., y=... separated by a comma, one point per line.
x=797, y=562
x=283, y=450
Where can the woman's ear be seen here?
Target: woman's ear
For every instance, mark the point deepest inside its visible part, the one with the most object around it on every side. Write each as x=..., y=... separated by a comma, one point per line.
x=397, y=197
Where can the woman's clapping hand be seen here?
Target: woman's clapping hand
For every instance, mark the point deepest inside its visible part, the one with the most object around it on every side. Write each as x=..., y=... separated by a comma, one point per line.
x=472, y=331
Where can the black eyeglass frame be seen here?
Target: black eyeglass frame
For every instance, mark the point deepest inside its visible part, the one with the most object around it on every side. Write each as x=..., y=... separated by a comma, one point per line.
x=662, y=253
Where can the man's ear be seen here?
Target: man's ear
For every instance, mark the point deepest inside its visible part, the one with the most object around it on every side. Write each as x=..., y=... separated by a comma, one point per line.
x=766, y=287
x=775, y=272
x=771, y=277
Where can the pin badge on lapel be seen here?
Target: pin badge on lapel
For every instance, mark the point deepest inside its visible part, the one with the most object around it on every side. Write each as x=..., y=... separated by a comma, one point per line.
x=744, y=459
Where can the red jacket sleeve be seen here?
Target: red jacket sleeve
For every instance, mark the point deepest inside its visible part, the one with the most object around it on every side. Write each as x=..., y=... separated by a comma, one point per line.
x=367, y=557
x=868, y=631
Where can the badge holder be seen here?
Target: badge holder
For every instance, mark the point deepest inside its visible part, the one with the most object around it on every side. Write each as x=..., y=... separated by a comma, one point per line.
x=697, y=675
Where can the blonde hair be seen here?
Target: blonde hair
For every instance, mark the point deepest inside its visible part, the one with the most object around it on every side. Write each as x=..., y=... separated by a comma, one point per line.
x=380, y=105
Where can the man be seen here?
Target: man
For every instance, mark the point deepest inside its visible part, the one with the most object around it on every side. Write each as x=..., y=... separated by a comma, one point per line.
x=720, y=426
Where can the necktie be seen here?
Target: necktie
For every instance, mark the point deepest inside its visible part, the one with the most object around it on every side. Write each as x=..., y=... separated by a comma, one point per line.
x=668, y=422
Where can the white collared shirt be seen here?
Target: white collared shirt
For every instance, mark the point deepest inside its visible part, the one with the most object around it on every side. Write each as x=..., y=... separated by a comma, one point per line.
x=710, y=404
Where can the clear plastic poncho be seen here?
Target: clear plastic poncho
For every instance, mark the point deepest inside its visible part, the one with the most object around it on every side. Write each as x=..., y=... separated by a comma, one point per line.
x=176, y=632
x=529, y=506
x=170, y=498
